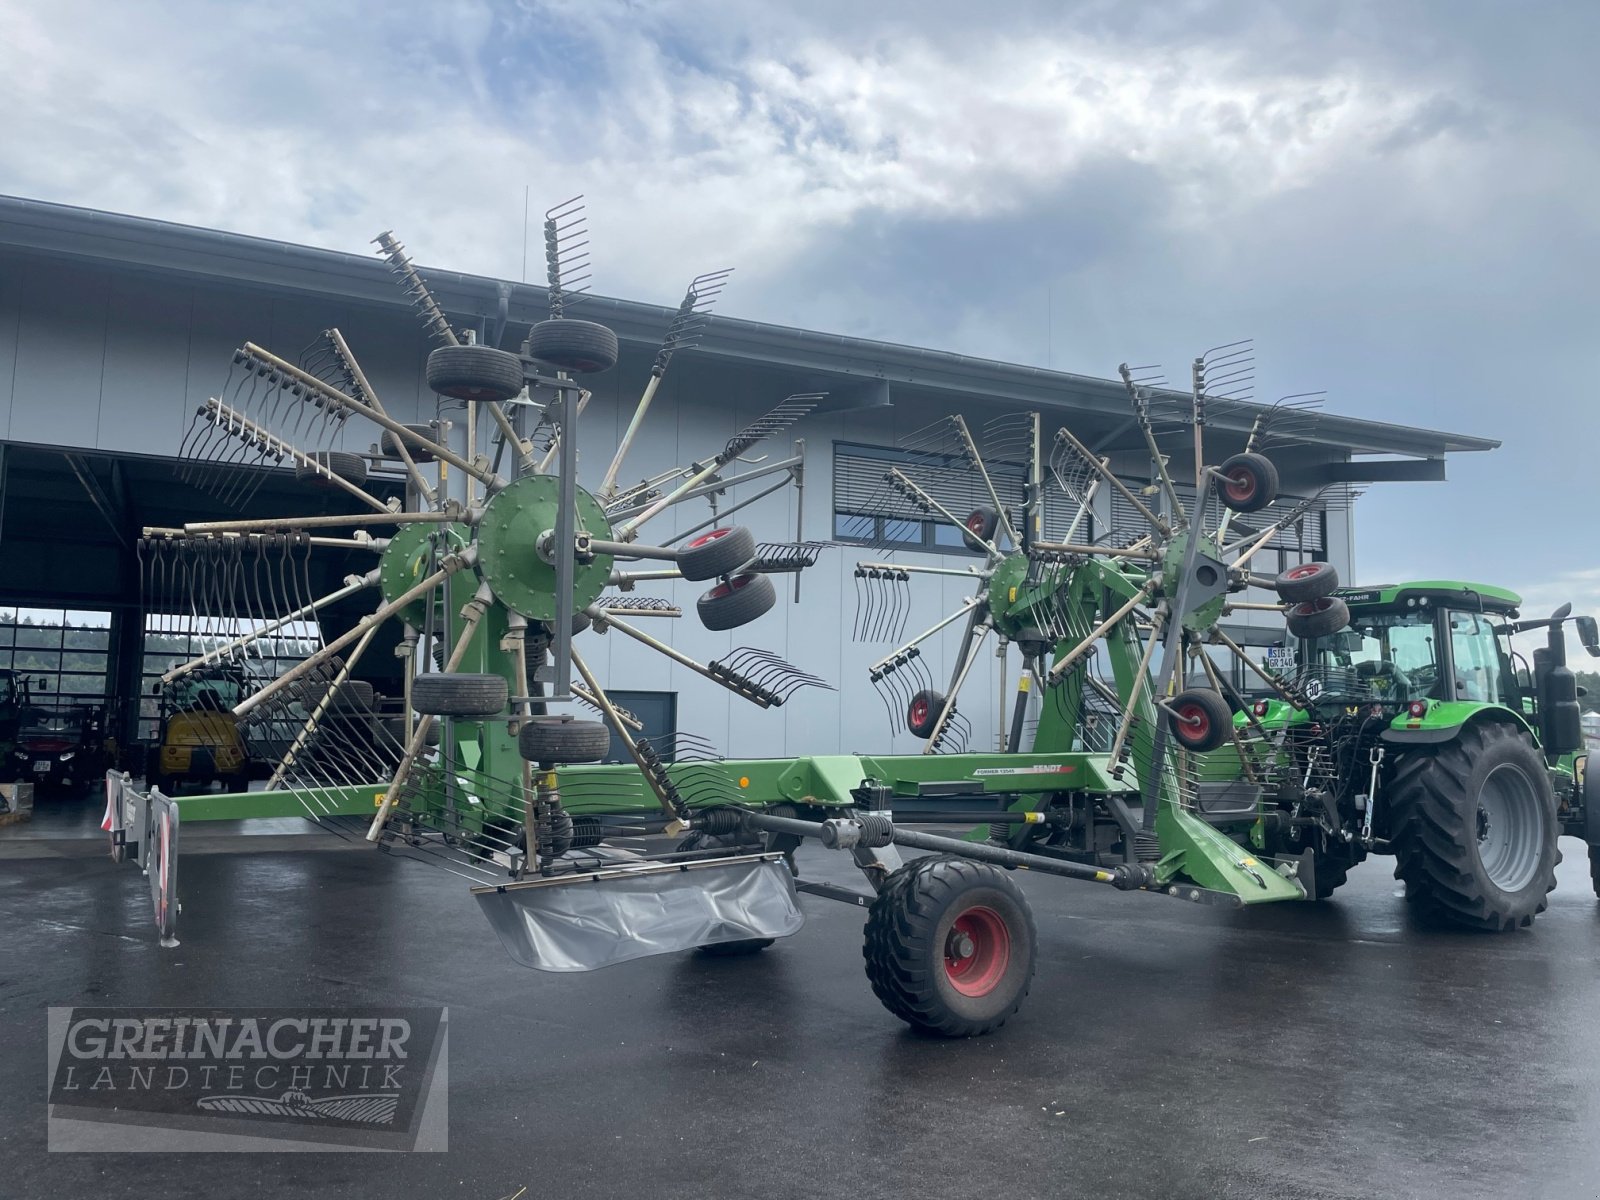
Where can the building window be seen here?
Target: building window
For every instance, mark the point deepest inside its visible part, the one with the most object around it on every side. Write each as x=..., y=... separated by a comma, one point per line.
x=63, y=652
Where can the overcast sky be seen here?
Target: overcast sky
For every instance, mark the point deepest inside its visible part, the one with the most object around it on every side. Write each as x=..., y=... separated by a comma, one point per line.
x=1396, y=200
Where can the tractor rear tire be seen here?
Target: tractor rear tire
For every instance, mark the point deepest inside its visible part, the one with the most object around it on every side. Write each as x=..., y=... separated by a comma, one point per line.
x=1307, y=581
x=716, y=552
x=351, y=468
x=443, y=694
x=474, y=373
x=1200, y=719
x=561, y=740
x=1473, y=824
x=735, y=602
x=1594, y=868
x=1317, y=618
x=950, y=946
x=389, y=444
x=1249, y=482
x=581, y=347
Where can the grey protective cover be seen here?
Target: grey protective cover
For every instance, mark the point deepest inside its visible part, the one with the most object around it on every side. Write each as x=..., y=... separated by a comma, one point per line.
x=584, y=925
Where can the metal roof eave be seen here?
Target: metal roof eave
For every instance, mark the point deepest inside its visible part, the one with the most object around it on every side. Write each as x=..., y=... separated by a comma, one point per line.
x=166, y=247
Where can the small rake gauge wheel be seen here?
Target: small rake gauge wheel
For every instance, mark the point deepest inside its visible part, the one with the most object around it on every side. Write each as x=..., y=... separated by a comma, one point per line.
x=716, y=552
x=1200, y=719
x=351, y=468
x=562, y=740
x=922, y=714
x=389, y=444
x=1249, y=482
x=1306, y=581
x=474, y=373
x=1317, y=618
x=981, y=524
x=459, y=695
x=950, y=946
x=736, y=601
x=581, y=347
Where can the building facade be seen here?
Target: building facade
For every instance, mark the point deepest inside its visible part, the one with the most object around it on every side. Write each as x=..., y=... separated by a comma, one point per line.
x=115, y=330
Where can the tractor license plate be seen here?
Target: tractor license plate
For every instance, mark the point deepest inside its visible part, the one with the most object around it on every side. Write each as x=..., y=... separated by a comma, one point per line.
x=41, y=766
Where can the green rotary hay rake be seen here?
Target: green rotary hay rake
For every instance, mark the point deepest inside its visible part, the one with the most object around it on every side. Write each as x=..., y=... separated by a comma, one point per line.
x=490, y=567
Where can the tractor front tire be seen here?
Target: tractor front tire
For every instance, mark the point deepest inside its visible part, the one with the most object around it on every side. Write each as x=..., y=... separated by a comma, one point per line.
x=1473, y=824
x=950, y=946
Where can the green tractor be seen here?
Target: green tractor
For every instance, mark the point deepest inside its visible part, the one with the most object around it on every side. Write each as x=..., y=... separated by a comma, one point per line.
x=1411, y=726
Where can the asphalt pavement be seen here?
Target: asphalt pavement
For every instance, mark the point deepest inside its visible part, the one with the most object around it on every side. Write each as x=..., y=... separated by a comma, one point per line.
x=1166, y=1051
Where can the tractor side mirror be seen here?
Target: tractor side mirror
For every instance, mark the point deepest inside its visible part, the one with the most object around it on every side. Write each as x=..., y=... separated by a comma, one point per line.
x=1589, y=634
x=155, y=688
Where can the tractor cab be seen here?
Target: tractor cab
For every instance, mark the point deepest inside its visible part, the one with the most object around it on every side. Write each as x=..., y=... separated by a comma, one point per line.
x=1415, y=653
x=1413, y=645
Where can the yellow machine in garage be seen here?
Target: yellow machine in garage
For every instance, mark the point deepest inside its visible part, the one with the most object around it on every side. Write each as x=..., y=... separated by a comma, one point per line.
x=200, y=740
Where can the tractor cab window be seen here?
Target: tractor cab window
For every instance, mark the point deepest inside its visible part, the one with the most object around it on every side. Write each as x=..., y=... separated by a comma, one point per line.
x=7, y=691
x=1385, y=657
x=1480, y=673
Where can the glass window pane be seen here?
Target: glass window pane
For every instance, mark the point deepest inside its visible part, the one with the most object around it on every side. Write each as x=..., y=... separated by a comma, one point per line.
x=853, y=527
x=903, y=531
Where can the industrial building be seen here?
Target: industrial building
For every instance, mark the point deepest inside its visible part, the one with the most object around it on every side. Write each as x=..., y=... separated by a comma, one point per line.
x=114, y=329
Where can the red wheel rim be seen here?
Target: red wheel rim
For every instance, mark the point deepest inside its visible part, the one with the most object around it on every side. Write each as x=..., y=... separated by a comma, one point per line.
x=977, y=951
x=1194, y=725
x=919, y=711
x=1241, y=484
x=733, y=585
x=704, y=538
x=1302, y=571
x=975, y=524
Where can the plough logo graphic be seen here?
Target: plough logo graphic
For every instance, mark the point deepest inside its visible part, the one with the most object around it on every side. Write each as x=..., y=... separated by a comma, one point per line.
x=376, y=1110
x=279, y=1079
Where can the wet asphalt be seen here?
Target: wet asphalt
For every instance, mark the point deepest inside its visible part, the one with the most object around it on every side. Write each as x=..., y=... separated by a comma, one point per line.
x=1166, y=1051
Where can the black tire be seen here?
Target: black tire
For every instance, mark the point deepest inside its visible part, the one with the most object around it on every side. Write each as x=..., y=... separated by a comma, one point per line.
x=1249, y=482
x=474, y=373
x=950, y=946
x=353, y=696
x=744, y=947
x=388, y=444
x=737, y=601
x=561, y=740
x=352, y=468
x=1317, y=618
x=716, y=552
x=922, y=714
x=981, y=523
x=581, y=347
x=1473, y=825
x=1306, y=581
x=457, y=695
x=1200, y=719
x=1594, y=868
